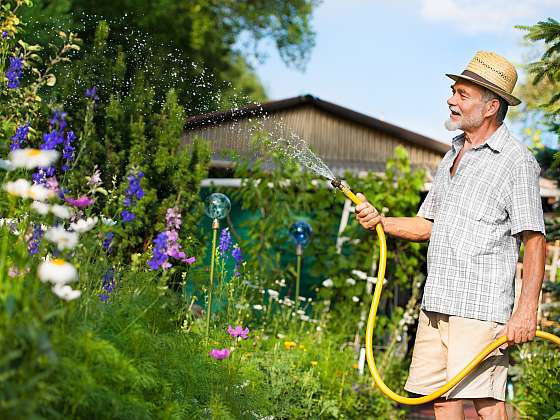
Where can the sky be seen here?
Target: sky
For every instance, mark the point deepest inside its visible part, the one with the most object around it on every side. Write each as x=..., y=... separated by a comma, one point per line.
x=388, y=59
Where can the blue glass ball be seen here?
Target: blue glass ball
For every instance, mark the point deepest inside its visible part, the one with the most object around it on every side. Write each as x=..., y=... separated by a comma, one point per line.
x=217, y=206
x=301, y=232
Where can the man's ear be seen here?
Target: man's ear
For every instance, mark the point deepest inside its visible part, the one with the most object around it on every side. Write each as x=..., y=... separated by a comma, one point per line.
x=492, y=107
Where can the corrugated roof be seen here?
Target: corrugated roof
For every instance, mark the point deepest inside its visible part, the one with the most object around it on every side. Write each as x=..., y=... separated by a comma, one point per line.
x=253, y=110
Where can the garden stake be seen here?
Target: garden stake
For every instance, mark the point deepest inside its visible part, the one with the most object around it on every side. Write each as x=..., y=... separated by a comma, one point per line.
x=301, y=233
x=217, y=206
x=299, y=253
x=373, y=313
x=215, y=227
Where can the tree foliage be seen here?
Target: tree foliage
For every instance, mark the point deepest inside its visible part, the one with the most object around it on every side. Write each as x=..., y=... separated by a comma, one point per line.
x=198, y=48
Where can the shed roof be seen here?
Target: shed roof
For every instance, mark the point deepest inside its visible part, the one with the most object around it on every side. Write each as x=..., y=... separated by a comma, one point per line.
x=253, y=110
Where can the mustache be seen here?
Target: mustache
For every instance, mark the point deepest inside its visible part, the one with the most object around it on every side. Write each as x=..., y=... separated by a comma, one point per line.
x=456, y=109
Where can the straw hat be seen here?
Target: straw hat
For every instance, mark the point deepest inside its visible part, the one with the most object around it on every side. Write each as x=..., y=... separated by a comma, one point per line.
x=492, y=71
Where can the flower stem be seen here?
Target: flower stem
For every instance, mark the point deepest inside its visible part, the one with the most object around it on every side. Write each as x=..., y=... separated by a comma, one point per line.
x=3, y=256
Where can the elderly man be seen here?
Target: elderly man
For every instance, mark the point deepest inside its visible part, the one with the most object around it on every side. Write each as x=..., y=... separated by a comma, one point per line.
x=484, y=200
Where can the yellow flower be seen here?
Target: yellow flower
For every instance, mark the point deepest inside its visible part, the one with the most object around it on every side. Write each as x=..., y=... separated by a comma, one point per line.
x=289, y=345
x=355, y=366
x=314, y=363
x=301, y=347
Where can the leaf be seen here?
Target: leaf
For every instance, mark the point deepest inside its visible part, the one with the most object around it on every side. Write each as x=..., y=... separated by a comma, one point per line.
x=51, y=79
x=555, y=416
x=34, y=48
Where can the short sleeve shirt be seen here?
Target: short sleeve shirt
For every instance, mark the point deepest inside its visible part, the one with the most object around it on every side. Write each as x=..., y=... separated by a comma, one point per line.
x=478, y=215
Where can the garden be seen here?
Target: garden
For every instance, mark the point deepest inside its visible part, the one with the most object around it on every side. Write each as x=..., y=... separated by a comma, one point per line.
x=115, y=304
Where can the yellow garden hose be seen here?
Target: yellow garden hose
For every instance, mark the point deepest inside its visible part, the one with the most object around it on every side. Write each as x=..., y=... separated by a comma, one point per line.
x=371, y=324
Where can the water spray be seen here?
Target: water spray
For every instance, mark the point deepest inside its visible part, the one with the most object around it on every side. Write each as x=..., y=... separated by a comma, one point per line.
x=337, y=183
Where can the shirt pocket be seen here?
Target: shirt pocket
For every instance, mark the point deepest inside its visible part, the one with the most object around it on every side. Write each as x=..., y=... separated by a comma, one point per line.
x=487, y=207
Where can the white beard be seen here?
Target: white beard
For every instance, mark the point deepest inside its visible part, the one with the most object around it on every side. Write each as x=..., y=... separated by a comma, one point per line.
x=451, y=125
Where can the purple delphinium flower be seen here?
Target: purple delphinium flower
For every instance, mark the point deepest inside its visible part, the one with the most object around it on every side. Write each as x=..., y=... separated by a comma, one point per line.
x=39, y=177
x=35, y=241
x=127, y=216
x=236, y=254
x=81, y=202
x=173, y=247
x=19, y=137
x=107, y=242
x=68, y=150
x=4, y=34
x=14, y=72
x=52, y=184
x=173, y=218
x=132, y=194
x=51, y=140
x=58, y=121
x=108, y=286
x=238, y=257
x=92, y=93
x=159, y=258
x=173, y=221
x=225, y=241
x=134, y=189
x=238, y=331
x=219, y=354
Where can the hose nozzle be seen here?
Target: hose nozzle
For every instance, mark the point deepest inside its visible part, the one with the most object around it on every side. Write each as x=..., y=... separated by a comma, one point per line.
x=337, y=183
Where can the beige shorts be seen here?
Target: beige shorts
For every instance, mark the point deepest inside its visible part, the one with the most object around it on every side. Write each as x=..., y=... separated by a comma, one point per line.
x=445, y=345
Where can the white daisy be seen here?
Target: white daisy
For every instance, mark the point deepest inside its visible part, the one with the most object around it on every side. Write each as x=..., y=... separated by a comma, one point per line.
x=62, y=238
x=62, y=212
x=82, y=225
x=258, y=307
x=33, y=158
x=57, y=271
x=19, y=187
x=40, y=208
x=350, y=281
x=39, y=193
x=65, y=292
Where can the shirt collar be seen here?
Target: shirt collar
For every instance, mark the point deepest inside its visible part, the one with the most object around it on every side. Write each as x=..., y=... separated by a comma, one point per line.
x=496, y=141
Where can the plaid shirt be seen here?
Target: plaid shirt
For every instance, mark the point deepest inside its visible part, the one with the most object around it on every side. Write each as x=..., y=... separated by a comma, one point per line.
x=477, y=218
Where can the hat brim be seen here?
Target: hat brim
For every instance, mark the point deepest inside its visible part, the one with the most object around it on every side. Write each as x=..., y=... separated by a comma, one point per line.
x=510, y=99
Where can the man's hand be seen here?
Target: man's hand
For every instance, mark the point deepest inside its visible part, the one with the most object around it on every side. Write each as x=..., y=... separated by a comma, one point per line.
x=366, y=214
x=521, y=327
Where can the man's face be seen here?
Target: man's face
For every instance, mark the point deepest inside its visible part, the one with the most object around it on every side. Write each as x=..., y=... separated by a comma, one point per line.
x=466, y=106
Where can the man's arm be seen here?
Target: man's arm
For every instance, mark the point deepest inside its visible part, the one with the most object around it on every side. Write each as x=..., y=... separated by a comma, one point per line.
x=415, y=229
x=523, y=323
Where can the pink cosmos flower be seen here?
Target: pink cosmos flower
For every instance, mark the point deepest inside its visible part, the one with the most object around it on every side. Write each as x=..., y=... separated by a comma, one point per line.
x=219, y=354
x=238, y=332
x=81, y=202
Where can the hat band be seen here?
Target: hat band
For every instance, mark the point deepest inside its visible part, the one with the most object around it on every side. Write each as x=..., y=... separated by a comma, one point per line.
x=479, y=78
